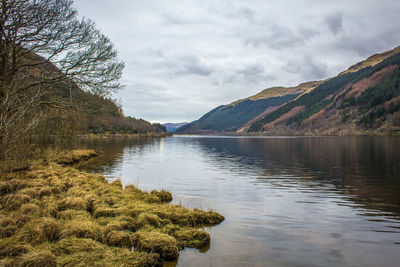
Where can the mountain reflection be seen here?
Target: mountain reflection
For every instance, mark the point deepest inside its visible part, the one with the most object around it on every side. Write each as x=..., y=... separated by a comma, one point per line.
x=365, y=169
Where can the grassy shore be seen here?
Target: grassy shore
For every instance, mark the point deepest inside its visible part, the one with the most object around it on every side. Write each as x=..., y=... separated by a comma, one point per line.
x=55, y=215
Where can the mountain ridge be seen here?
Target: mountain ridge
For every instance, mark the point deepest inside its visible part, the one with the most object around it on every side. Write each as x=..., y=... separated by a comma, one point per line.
x=364, y=99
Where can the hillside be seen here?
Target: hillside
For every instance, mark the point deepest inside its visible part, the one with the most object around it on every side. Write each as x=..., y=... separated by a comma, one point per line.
x=365, y=99
x=70, y=110
x=235, y=115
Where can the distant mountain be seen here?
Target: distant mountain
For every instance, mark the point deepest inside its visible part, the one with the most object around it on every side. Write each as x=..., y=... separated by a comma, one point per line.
x=364, y=99
x=232, y=117
x=172, y=127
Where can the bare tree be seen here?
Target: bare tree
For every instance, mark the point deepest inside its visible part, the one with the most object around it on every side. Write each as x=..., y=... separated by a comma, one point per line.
x=43, y=44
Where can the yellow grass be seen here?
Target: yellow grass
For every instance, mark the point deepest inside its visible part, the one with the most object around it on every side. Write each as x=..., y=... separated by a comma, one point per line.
x=58, y=215
x=282, y=91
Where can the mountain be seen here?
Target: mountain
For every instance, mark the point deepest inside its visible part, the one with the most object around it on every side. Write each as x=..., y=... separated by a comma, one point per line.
x=172, y=127
x=364, y=99
x=234, y=116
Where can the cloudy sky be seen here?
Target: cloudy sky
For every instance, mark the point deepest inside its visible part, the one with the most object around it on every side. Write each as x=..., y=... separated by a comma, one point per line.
x=184, y=58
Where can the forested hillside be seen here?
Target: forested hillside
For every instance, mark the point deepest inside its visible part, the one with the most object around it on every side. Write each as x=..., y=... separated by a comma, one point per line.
x=353, y=102
x=69, y=110
x=365, y=99
x=85, y=112
x=232, y=117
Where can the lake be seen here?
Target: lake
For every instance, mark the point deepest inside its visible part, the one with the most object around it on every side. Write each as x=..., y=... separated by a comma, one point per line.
x=287, y=201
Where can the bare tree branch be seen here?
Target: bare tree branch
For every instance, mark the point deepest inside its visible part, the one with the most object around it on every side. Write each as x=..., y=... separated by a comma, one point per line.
x=43, y=44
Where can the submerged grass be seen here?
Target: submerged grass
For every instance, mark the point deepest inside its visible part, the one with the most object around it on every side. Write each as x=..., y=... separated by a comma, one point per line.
x=53, y=214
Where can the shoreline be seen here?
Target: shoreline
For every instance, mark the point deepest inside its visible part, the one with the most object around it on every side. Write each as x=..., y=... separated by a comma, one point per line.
x=280, y=134
x=104, y=136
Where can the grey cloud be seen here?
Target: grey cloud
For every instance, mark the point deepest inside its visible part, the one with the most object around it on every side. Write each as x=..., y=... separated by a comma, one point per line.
x=255, y=73
x=334, y=22
x=252, y=69
x=307, y=68
x=308, y=33
x=275, y=37
x=241, y=14
x=367, y=45
x=173, y=20
x=192, y=65
x=178, y=19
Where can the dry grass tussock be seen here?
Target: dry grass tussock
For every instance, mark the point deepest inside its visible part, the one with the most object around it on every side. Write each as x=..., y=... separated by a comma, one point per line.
x=53, y=214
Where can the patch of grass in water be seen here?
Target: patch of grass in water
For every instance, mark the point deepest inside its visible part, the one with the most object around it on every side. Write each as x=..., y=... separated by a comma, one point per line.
x=58, y=215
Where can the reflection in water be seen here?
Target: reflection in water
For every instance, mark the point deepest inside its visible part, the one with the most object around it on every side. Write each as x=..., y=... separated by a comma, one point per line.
x=320, y=201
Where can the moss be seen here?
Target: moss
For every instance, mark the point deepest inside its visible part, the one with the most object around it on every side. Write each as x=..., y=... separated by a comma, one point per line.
x=207, y=217
x=163, y=195
x=45, y=191
x=105, y=212
x=8, y=227
x=74, y=251
x=7, y=231
x=72, y=214
x=83, y=229
x=17, y=200
x=8, y=247
x=74, y=156
x=184, y=217
x=50, y=205
x=32, y=192
x=144, y=196
x=146, y=218
x=8, y=262
x=122, y=223
x=111, y=200
x=192, y=238
x=109, y=257
x=117, y=183
x=91, y=202
x=119, y=238
x=21, y=219
x=4, y=188
x=17, y=184
x=77, y=203
x=38, y=258
x=39, y=231
x=29, y=209
x=162, y=244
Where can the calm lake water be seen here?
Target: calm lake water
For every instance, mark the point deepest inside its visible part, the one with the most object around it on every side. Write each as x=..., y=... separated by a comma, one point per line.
x=304, y=201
